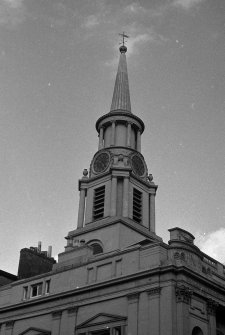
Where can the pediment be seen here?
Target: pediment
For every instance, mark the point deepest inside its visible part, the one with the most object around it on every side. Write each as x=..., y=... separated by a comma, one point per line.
x=101, y=318
x=35, y=331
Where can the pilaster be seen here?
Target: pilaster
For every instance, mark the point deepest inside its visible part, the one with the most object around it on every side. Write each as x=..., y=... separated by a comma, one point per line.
x=72, y=319
x=133, y=300
x=9, y=327
x=154, y=310
x=183, y=299
x=113, y=195
x=125, y=196
x=211, y=306
x=56, y=321
x=80, y=221
x=152, y=212
x=68, y=319
x=143, y=314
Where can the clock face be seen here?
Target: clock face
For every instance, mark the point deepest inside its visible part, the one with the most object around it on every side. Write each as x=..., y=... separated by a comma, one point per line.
x=101, y=162
x=138, y=165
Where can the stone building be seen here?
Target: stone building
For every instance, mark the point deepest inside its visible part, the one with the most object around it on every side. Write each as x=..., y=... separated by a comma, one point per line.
x=116, y=276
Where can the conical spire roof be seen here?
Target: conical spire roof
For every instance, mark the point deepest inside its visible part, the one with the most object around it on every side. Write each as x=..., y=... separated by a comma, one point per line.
x=121, y=94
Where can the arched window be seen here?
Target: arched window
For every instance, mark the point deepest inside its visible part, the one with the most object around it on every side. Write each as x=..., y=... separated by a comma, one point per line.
x=96, y=246
x=197, y=331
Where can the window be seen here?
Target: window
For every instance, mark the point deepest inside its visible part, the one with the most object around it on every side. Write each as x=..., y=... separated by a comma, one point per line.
x=47, y=287
x=99, y=200
x=25, y=292
x=97, y=248
x=101, y=332
x=197, y=331
x=36, y=290
x=112, y=325
x=137, y=205
x=119, y=330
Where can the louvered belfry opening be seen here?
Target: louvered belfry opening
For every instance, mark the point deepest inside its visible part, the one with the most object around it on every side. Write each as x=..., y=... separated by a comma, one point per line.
x=137, y=205
x=99, y=201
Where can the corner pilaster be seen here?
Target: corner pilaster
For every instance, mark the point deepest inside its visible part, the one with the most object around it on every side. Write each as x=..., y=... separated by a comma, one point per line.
x=183, y=299
x=211, y=306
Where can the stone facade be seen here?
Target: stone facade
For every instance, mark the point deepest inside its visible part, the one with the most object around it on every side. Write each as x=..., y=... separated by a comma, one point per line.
x=116, y=276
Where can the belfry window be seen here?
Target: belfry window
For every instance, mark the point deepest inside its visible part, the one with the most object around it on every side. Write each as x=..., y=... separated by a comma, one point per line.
x=99, y=201
x=137, y=205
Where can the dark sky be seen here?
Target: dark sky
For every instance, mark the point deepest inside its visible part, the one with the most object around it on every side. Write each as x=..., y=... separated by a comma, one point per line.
x=58, y=61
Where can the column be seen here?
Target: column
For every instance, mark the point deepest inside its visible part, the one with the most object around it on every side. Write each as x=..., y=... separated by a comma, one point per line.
x=100, y=145
x=154, y=310
x=211, y=309
x=152, y=212
x=125, y=196
x=128, y=134
x=113, y=195
x=139, y=141
x=80, y=220
x=183, y=298
x=133, y=299
x=56, y=320
x=113, y=128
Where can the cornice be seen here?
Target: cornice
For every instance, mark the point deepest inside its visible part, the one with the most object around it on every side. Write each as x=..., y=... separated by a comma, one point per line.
x=159, y=270
x=120, y=115
x=112, y=221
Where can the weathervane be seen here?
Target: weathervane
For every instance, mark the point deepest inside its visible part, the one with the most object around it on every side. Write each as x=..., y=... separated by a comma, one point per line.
x=123, y=36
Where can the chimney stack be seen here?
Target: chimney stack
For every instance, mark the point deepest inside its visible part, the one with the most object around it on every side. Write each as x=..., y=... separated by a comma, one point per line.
x=49, y=254
x=39, y=246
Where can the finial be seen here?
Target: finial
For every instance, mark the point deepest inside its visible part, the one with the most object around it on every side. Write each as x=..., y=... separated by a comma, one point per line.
x=85, y=173
x=123, y=48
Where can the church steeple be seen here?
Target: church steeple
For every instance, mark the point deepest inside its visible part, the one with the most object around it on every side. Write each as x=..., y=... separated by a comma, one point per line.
x=120, y=127
x=121, y=94
x=117, y=196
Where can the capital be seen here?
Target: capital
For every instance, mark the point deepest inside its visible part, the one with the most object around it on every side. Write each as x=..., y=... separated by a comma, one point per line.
x=183, y=294
x=211, y=306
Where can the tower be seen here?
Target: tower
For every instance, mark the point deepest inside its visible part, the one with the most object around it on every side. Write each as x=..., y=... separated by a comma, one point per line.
x=116, y=276
x=117, y=196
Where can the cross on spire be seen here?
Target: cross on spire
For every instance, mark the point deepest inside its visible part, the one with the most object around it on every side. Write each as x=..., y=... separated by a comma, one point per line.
x=123, y=38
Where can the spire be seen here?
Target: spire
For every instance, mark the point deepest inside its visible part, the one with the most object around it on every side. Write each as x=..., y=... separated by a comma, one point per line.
x=121, y=94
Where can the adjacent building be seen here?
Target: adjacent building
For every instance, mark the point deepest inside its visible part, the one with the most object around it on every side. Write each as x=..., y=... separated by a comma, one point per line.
x=116, y=276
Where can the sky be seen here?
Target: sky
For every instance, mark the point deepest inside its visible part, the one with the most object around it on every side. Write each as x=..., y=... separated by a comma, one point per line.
x=58, y=61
